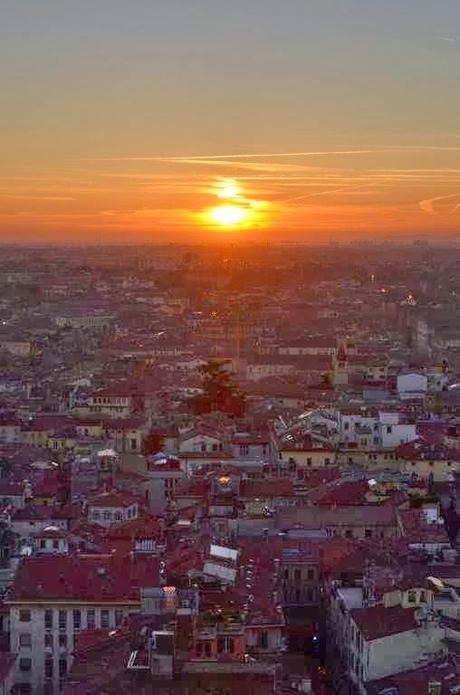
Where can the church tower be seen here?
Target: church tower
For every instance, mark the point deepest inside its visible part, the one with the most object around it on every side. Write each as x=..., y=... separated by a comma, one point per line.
x=340, y=365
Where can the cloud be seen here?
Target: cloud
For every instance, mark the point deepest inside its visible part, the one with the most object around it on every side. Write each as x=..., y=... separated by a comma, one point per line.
x=11, y=196
x=241, y=155
x=428, y=204
x=221, y=158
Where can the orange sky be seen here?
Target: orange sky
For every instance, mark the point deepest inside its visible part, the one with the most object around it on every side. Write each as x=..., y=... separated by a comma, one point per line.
x=121, y=124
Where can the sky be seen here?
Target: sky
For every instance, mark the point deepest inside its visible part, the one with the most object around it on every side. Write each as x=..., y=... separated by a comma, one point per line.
x=195, y=120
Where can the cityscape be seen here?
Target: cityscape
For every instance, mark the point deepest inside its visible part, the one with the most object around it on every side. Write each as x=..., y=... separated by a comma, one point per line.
x=230, y=347
x=230, y=468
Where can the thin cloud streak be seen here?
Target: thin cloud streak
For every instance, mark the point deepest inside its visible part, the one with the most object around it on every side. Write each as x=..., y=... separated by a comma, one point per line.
x=258, y=155
x=428, y=204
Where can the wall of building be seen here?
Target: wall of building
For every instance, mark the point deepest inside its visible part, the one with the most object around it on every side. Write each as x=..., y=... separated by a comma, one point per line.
x=38, y=652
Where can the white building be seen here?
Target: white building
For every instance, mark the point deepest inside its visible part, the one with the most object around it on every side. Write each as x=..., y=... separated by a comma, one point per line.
x=113, y=507
x=375, y=641
x=411, y=386
x=367, y=430
x=53, y=598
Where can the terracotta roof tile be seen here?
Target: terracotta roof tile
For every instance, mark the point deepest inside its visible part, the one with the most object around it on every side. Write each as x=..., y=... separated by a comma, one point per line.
x=101, y=578
x=377, y=621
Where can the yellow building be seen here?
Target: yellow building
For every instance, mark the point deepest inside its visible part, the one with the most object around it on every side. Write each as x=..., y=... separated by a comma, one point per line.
x=309, y=458
x=429, y=461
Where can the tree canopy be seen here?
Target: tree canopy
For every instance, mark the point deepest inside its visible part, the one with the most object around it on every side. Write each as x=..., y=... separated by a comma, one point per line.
x=220, y=393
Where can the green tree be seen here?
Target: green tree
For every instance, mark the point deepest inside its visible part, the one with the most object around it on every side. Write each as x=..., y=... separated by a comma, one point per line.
x=220, y=393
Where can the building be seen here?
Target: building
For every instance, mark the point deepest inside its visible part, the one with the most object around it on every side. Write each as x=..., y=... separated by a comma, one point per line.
x=112, y=507
x=54, y=597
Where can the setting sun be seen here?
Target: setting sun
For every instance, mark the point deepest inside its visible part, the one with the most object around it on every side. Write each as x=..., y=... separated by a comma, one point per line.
x=229, y=215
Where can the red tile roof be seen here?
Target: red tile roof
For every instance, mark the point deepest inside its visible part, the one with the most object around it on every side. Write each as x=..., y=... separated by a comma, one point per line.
x=9, y=488
x=52, y=532
x=146, y=526
x=377, y=621
x=446, y=671
x=131, y=423
x=417, y=528
x=348, y=492
x=113, y=498
x=318, y=476
x=267, y=488
x=91, y=578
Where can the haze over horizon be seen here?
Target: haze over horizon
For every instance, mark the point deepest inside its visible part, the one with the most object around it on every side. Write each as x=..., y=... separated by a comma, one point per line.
x=186, y=121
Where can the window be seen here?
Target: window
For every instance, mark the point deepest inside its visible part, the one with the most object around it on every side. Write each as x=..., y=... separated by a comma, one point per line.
x=91, y=619
x=311, y=574
x=348, y=533
x=118, y=615
x=48, y=619
x=56, y=545
x=225, y=645
x=309, y=461
x=62, y=667
x=117, y=516
x=76, y=619
x=346, y=425
x=389, y=429
x=23, y=688
x=105, y=618
x=412, y=596
x=25, y=639
x=24, y=616
x=431, y=464
x=62, y=620
x=25, y=663
x=327, y=461
x=244, y=450
x=48, y=667
x=368, y=533
x=63, y=640
x=203, y=448
x=48, y=640
x=133, y=444
x=42, y=544
x=422, y=597
x=107, y=515
x=262, y=640
x=297, y=575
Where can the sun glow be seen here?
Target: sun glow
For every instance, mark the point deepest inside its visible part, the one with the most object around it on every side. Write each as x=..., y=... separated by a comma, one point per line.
x=235, y=211
x=228, y=188
x=229, y=215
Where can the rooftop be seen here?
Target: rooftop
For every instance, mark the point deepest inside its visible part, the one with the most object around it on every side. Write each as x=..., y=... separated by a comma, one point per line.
x=91, y=578
x=377, y=621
